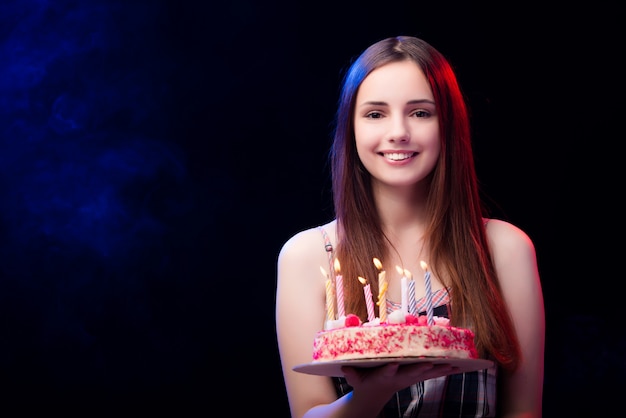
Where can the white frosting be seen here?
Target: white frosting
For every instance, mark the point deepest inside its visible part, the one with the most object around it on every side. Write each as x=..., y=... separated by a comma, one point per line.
x=335, y=323
x=396, y=317
x=373, y=322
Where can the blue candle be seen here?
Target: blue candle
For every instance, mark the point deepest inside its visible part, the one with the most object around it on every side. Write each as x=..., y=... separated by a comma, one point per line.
x=429, y=293
x=412, y=301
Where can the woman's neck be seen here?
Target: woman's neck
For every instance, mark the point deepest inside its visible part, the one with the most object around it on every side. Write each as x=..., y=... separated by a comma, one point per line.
x=401, y=209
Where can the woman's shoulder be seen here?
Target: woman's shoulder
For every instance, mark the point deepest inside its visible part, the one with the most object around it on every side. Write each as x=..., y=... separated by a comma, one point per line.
x=509, y=242
x=303, y=244
x=504, y=232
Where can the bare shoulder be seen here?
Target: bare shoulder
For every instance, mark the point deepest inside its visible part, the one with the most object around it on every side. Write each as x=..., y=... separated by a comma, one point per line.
x=508, y=240
x=307, y=245
x=514, y=258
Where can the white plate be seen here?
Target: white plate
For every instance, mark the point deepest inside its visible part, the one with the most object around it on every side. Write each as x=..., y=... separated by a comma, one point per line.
x=333, y=368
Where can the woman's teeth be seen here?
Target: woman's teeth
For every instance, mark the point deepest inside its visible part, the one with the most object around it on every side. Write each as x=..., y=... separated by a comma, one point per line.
x=397, y=156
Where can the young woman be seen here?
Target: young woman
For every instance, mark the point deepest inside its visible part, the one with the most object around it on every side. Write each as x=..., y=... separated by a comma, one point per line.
x=405, y=190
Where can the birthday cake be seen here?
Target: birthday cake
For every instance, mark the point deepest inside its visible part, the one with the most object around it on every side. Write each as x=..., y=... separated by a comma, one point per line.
x=402, y=333
x=399, y=336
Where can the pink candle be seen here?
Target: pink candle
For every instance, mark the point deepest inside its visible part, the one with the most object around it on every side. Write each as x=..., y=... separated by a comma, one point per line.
x=341, y=312
x=369, y=301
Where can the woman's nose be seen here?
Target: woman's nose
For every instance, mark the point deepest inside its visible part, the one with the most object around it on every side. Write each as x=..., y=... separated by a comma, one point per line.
x=399, y=131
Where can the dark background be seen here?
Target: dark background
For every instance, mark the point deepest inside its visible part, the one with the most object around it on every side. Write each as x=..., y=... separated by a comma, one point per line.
x=155, y=155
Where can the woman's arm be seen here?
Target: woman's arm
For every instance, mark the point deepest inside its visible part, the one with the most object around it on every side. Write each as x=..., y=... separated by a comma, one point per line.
x=300, y=312
x=515, y=261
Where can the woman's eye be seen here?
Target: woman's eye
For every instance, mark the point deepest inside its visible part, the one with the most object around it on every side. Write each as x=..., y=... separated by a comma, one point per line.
x=374, y=115
x=421, y=114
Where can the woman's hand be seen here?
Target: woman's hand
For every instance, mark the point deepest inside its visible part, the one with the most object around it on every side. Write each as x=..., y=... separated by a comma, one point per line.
x=392, y=377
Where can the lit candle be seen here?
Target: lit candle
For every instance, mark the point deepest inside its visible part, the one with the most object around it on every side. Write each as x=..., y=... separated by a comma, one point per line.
x=412, y=301
x=429, y=293
x=369, y=301
x=404, y=290
x=382, y=291
x=330, y=306
x=382, y=297
x=339, y=289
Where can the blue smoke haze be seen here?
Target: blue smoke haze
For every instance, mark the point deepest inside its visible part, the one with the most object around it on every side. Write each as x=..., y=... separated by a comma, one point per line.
x=100, y=200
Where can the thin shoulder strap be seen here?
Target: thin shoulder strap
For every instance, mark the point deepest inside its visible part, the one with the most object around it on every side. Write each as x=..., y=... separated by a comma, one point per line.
x=328, y=246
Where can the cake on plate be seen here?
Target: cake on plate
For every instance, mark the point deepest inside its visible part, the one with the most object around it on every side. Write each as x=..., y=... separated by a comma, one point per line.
x=401, y=335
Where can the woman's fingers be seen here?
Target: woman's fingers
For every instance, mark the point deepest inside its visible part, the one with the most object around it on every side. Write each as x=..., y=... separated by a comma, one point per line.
x=395, y=374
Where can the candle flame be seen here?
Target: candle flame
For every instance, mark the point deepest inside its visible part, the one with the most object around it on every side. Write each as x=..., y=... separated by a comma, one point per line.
x=323, y=272
x=362, y=280
x=377, y=263
x=399, y=269
x=337, y=266
x=424, y=265
x=408, y=274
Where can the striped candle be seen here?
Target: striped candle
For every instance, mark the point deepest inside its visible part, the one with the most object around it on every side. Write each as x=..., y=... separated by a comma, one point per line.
x=412, y=301
x=341, y=312
x=429, y=293
x=382, y=296
x=330, y=309
x=369, y=301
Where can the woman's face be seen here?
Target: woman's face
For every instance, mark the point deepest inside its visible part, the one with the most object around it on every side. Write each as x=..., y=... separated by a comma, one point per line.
x=396, y=126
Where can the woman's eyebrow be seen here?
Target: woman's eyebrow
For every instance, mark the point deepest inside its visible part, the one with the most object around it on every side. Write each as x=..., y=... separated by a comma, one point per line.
x=380, y=103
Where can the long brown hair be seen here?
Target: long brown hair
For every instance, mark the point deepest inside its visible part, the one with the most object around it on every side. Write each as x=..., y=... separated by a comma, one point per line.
x=455, y=233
